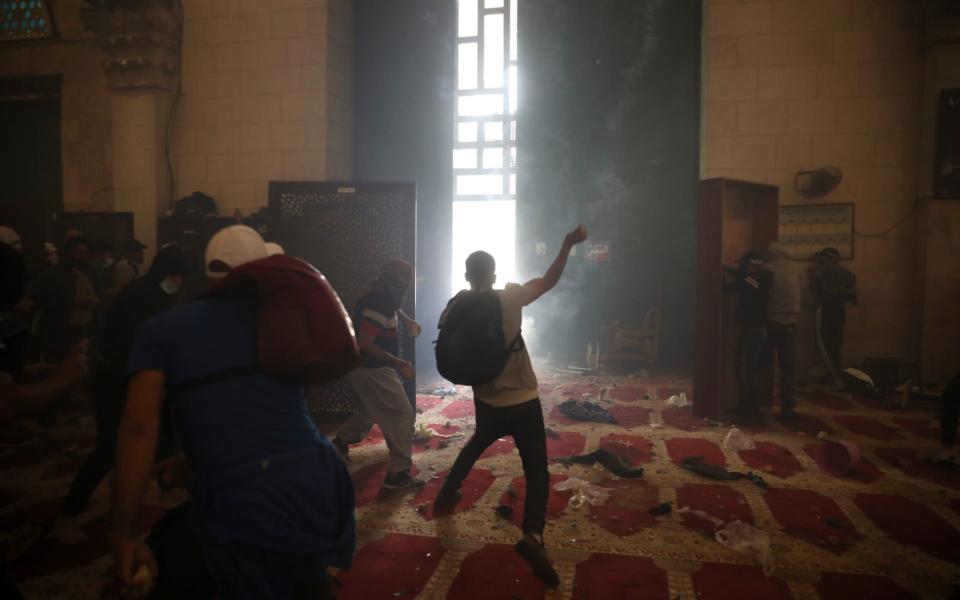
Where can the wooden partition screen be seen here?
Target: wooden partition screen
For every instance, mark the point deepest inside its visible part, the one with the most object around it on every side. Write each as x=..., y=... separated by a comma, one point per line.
x=347, y=230
x=732, y=217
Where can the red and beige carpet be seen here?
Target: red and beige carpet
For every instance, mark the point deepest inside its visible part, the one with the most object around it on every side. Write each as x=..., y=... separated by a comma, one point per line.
x=888, y=529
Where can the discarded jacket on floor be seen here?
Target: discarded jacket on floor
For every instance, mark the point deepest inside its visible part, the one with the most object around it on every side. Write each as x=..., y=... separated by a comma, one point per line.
x=586, y=411
x=620, y=467
x=697, y=465
x=662, y=509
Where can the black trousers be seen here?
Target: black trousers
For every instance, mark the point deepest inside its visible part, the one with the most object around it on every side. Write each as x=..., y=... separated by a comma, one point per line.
x=751, y=346
x=108, y=387
x=831, y=334
x=184, y=574
x=783, y=339
x=949, y=407
x=523, y=422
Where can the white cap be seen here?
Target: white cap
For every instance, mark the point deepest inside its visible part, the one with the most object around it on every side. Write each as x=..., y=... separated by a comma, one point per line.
x=10, y=237
x=234, y=246
x=274, y=248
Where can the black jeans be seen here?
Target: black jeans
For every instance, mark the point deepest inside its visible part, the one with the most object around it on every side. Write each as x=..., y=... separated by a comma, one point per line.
x=183, y=570
x=524, y=422
x=783, y=339
x=831, y=335
x=108, y=387
x=949, y=407
x=751, y=346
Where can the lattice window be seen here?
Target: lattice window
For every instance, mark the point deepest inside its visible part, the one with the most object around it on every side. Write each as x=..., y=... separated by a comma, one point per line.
x=25, y=20
x=485, y=144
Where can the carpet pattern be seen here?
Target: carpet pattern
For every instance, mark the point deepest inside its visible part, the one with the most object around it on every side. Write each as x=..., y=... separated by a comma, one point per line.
x=889, y=529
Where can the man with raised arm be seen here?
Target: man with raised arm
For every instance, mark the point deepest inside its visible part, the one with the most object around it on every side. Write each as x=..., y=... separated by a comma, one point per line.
x=509, y=404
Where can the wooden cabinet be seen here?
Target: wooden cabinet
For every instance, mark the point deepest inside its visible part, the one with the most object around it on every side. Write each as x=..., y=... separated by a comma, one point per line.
x=732, y=217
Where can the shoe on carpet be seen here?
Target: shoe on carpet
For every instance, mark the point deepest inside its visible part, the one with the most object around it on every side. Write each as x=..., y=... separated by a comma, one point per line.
x=402, y=481
x=343, y=448
x=531, y=550
x=446, y=500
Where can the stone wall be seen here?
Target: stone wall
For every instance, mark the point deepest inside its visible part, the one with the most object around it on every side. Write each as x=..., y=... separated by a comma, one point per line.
x=939, y=228
x=799, y=84
x=86, y=129
x=267, y=95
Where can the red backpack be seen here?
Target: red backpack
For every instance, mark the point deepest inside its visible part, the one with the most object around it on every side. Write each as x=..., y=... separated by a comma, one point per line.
x=304, y=334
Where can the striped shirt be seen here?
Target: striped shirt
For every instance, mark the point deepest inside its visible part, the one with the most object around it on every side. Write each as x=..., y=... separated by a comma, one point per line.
x=376, y=314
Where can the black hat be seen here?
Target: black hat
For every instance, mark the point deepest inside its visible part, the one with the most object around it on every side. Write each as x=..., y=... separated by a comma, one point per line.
x=829, y=253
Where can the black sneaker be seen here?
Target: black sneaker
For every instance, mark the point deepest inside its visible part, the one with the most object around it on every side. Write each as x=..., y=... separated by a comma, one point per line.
x=446, y=500
x=402, y=481
x=531, y=550
x=343, y=448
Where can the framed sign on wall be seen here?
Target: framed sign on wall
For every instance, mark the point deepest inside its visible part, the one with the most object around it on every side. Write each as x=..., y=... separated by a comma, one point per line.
x=805, y=229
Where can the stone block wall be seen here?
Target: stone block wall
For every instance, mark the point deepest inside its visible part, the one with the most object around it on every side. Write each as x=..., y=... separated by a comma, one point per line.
x=801, y=84
x=86, y=134
x=938, y=320
x=267, y=95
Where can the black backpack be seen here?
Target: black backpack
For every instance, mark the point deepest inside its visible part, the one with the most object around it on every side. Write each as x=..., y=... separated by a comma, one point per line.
x=470, y=348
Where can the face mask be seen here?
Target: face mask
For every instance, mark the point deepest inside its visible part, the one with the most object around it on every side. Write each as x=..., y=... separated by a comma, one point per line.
x=169, y=287
x=107, y=263
x=396, y=285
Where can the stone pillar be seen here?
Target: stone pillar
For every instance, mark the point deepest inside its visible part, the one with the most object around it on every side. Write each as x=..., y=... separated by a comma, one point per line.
x=140, y=43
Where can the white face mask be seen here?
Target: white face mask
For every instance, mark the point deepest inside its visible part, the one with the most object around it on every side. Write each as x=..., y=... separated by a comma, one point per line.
x=170, y=287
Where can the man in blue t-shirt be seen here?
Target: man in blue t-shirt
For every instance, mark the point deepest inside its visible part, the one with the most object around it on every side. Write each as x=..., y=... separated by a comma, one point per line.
x=272, y=500
x=382, y=399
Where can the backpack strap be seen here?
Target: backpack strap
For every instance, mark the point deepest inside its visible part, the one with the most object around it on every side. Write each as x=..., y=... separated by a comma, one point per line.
x=166, y=416
x=211, y=378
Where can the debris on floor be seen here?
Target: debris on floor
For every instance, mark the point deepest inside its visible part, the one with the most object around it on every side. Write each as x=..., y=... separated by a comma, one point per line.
x=696, y=464
x=584, y=492
x=613, y=463
x=736, y=440
x=745, y=538
x=664, y=509
x=582, y=410
x=699, y=513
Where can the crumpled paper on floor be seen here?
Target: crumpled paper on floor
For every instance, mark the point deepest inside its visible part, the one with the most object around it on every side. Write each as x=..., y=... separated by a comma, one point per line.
x=585, y=492
x=745, y=538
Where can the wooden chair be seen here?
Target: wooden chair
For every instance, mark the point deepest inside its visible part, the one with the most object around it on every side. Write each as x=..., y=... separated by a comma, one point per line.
x=633, y=344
